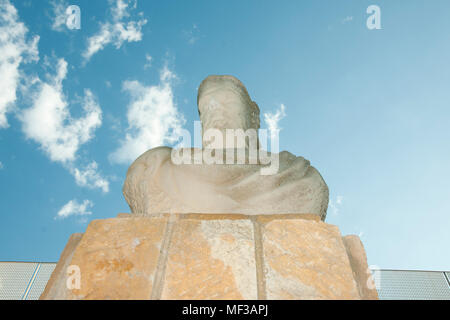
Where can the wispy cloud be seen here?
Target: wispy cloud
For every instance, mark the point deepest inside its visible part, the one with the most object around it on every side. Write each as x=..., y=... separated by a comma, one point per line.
x=15, y=49
x=49, y=123
x=192, y=35
x=153, y=118
x=272, y=120
x=148, y=61
x=118, y=29
x=335, y=205
x=90, y=178
x=74, y=208
x=59, y=15
x=1, y=165
x=347, y=19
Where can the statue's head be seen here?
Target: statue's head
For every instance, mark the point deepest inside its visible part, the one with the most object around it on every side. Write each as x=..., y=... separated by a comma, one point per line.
x=224, y=103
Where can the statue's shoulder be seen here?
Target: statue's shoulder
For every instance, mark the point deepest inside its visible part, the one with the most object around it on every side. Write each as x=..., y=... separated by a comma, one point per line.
x=155, y=154
x=299, y=167
x=287, y=156
x=152, y=158
x=288, y=159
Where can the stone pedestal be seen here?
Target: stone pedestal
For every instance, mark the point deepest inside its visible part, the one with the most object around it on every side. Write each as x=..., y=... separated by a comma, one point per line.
x=204, y=256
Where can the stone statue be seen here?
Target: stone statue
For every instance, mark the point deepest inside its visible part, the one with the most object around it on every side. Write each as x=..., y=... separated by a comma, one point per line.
x=155, y=183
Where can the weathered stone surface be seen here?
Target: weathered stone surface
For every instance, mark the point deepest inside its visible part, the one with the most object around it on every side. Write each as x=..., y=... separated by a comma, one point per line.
x=56, y=285
x=306, y=260
x=117, y=258
x=264, y=219
x=123, y=215
x=361, y=271
x=211, y=258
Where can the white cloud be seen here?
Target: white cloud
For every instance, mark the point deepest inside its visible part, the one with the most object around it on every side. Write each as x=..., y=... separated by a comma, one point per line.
x=74, y=208
x=49, y=123
x=335, y=205
x=14, y=50
x=59, y=14
x=272, y=120
x=148, y=61
x=1, y=165
x=117, y=30
x=153, y=118
x=90, y=178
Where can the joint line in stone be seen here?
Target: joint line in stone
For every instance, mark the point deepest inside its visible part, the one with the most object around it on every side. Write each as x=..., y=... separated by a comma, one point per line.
x=259, y=260
x=160, y=272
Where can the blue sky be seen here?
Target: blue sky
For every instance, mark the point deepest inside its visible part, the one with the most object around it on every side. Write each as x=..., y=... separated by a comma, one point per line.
x=368, y=108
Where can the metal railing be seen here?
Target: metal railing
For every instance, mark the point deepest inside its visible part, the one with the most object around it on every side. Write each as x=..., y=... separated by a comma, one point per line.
x=24, y=280
x=412, y=284
x=27, y=280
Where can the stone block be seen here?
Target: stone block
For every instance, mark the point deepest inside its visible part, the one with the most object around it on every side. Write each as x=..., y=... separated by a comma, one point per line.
x=117, y=259
x=211, y=257
x=306, y=259
x=56, y=285
x=361, y=271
